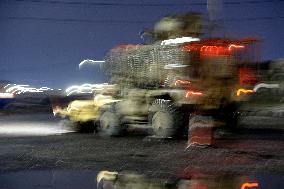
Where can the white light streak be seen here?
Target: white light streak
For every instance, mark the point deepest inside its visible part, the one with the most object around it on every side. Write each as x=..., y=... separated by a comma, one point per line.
x=6, y=95
x=7, y=85
x=85, y=88
x=18, y=89
x=172, y=66
x=179, y=40
x=265, y=85
x=89, y=61
x=31, y=129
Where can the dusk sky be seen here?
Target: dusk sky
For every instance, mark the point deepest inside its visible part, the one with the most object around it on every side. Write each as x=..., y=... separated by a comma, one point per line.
x=42, y=42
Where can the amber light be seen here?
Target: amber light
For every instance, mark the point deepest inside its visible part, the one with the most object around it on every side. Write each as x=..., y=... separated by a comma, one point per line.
x=193, y=93
x=239, y=91
x=249, y=185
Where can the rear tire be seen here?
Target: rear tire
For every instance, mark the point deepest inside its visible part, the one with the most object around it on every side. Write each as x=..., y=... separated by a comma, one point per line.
x=110, y=124
x=165, y=119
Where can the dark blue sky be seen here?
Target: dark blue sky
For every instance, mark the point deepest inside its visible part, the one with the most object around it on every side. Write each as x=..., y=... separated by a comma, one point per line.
x=42, y=42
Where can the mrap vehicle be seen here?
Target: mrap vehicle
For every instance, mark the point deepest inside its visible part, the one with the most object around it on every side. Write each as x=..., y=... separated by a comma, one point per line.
x=175, y=83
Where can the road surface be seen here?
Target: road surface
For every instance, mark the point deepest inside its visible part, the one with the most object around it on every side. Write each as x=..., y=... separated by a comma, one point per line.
x=58, y=158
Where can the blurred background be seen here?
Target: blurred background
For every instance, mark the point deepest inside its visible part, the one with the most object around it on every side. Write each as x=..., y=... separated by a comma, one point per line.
x=42, y=42
x=141, y=94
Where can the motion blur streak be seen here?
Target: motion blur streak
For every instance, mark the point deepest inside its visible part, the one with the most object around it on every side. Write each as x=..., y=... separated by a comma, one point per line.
x=18, y=89
x=188, y=93
x=6, y=95
x=264, y=85
x=244, y=91
x=31, y=129
x=106, y=175
x=89, y=61
x=185, y=82
x=84, y=88
x=217, y=50
x=235, y=46
x=179, y=40
x=249, y=185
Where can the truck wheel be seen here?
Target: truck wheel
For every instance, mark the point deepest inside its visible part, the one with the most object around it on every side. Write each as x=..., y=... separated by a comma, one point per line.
x=165, y=118
x=110, y=124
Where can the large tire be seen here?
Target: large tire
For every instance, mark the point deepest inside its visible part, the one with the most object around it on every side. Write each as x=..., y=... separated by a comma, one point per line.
x=110, y=124
x=165, y=119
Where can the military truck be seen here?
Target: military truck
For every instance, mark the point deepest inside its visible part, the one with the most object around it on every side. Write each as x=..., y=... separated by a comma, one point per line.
x=164, y=85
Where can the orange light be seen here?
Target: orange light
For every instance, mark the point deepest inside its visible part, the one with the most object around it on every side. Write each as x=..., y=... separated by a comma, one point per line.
x=235, y=46
x=239, y=91
x=249, y=185
x=179, y=81
x=188, y=93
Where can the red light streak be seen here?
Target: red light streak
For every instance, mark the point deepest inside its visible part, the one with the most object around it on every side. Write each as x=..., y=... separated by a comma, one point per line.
x=188, y=93
x=213, y=50
x=249, y=185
